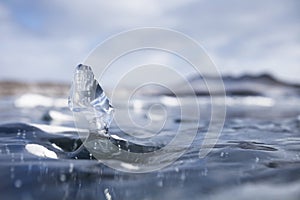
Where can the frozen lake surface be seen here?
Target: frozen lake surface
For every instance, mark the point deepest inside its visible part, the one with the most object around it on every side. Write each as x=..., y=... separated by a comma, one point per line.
x=257, y=155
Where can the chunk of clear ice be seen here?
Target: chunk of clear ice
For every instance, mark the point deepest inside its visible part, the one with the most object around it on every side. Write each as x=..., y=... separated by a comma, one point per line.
x=88, y=101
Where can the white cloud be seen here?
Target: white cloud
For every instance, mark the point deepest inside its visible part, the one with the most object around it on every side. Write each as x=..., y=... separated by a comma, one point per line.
x=44, y=40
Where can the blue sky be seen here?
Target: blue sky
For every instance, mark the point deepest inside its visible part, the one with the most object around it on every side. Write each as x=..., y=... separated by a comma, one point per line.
x=43, y=40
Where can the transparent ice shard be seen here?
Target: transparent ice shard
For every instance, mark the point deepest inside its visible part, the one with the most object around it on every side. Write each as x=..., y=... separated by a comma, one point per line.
x=88, y=101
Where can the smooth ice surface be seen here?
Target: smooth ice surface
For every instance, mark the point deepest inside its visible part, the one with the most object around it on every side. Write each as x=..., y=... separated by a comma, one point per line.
x=88, y=101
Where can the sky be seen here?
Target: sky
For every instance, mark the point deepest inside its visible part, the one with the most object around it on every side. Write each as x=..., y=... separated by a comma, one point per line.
x=44, y=40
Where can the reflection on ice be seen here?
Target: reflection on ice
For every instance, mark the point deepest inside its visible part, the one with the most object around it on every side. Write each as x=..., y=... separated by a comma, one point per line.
x=251, y=101
x=40, y=151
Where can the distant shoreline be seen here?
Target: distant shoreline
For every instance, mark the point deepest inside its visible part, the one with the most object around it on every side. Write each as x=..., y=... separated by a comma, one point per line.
x=13, y=88
x=244, y=85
